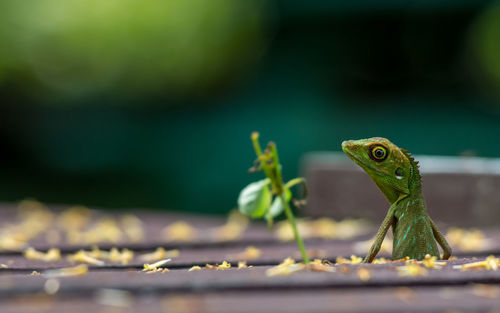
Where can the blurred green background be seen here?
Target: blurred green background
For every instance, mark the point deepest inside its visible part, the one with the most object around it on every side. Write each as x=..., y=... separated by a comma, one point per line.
x=150, y=104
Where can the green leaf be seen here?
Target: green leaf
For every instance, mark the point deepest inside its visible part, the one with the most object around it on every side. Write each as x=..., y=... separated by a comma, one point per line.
x=254, y=200
x=277, y=205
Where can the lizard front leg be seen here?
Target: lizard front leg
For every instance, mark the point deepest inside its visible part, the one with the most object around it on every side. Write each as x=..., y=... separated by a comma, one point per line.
x=441, y=240
x=379, y=238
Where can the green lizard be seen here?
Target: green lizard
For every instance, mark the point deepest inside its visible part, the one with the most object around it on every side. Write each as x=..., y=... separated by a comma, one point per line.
x=396, y=174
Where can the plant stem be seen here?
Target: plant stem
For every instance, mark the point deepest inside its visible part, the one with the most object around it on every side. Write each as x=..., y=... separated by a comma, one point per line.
x=288, y=211
x=291, y=220
x=256, y=145
x=261, y=157
x=276, y=161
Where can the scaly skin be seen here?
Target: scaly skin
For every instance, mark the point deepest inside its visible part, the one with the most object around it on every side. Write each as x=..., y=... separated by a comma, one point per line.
x=396, y=174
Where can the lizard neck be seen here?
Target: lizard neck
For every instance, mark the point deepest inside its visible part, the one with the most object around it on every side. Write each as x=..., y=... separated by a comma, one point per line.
x=415, y=180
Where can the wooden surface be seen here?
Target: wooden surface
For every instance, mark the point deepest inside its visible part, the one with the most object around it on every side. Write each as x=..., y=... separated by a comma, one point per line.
x=115, y=287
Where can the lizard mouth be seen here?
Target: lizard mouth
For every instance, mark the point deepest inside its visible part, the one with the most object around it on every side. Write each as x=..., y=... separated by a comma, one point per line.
x=361, y=163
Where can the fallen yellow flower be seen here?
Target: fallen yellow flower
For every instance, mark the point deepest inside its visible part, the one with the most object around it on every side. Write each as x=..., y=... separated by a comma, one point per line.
x=250, y=253
x=472, y=240
x=411, y=269
x=194, y=268
x=242, y=264
x=235, y=226
x=51, y=255
x=287, y=267
x=353, y=260
x=78, y=270
x=123, y=257
x=132, y=227
x=490, y=263
x=224, y=266
x=179, y=231
x=155, y=266
x=83, y=257
x=431, y=262
x=159, y=254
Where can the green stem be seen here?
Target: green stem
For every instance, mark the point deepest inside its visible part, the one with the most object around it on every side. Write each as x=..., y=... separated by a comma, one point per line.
x=293, y=182
x=288, y=210
x=260, y=156
x=278, y=186
x=276, y=161
x=291, y=220
x=256, y=145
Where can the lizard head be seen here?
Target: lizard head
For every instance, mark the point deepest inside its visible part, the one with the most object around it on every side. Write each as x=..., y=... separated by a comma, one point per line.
x=386, y=164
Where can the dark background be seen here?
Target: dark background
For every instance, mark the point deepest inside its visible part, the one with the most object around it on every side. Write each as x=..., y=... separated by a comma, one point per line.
x=151, y=104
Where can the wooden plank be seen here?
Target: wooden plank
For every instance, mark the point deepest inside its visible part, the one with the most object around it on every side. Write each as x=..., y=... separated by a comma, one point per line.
x=382, y=300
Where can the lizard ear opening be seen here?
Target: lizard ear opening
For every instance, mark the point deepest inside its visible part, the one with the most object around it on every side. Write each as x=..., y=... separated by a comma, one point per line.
x=399, y=173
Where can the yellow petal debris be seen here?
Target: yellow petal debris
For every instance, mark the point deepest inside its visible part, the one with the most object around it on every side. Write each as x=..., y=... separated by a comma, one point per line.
x=224, y=266
x=381, y=261
x=123, y=257
x=472, y=240
x=326, y=228
x=353, y=260
x=364, y=274
x=319, y=265
x=490, y=263
x=156, y=267
x=159, y=254
x=105, y=230
x=132, y=227
x=235, y=226
x=35, y=219
x=3, y=265
x=34, y=273
x=250, y=253
x=287, y=261
x=287, y=267
x=96, y=256
x=341, y=260
x=284, y=232
x=243, y=264
x=74, y=218
x=356, y=260
x=12, y=241
x=179, y=231
x=51, y=255
x=431, y=262
x=84, y=257
x=78, y=270
x=350, y=228
x=158, y=270
x=411, y=269
x=195, y=268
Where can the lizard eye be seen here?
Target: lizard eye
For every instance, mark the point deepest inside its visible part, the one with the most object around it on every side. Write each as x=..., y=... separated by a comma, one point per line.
x=378, y=153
